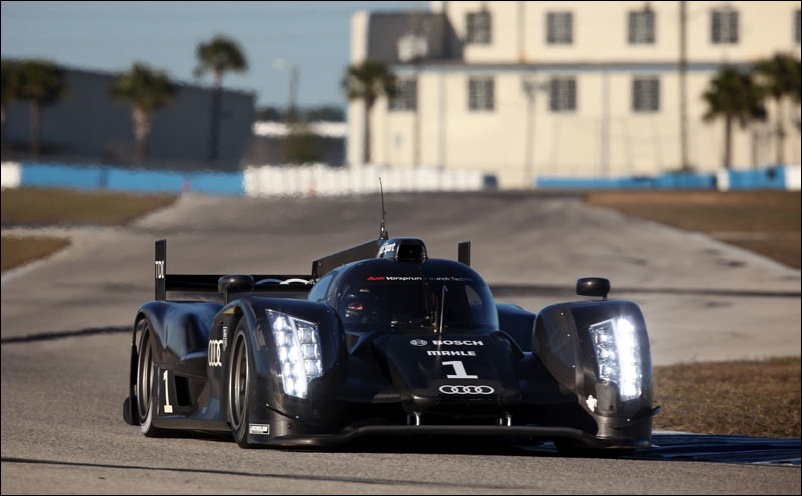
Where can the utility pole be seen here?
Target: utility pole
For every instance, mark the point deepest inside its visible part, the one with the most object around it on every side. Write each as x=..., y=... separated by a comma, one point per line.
x=605, y=126
x=291, y=106
x=683, y=63
x=530, y=87
x=418, y=53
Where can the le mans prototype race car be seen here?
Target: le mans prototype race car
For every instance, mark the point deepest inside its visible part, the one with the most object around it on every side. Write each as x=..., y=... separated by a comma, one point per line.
x=382, y=340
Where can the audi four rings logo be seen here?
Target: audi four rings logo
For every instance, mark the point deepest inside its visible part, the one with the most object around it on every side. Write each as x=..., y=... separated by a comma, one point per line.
x=216, y=348
x=449, y=389
x=418, y=342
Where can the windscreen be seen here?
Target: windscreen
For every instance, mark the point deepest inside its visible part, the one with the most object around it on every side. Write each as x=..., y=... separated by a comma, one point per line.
x=414, y=302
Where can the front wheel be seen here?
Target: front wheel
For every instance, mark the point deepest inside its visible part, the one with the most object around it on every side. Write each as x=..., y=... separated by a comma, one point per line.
x=239, y=376
x=146, y=403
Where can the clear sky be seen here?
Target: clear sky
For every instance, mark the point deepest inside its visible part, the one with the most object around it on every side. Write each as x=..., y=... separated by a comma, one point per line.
x=110, y=36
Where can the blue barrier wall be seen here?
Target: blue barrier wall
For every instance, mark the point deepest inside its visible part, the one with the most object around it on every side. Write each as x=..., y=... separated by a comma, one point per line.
x=685, y=180
x=135, y=180
x=233, y=183
x=773, y=177
x=768, y=178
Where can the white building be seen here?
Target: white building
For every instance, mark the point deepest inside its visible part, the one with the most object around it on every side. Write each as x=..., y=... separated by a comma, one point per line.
x=527, y=89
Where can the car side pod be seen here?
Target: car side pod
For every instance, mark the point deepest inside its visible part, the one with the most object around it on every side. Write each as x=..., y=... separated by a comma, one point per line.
x=593, y=286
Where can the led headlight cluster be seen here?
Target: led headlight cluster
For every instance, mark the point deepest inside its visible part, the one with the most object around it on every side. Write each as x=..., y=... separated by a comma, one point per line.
x=298, y=346
x=618, y=352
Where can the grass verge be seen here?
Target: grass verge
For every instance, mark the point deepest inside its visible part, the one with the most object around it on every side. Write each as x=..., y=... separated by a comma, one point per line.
x=750, y=398
x=765, y=221
x=17, y=251
x=58, y=206
x=754, y=398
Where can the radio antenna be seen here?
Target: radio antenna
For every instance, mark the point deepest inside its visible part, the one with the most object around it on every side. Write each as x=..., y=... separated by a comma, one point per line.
x=382, y=231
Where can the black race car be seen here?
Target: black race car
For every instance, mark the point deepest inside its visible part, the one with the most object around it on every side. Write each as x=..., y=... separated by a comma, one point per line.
x=380, y=339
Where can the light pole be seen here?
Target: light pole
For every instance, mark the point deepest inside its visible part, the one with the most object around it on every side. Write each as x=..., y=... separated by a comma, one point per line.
x=530, y=86
x=683, y=69
x=280, y=64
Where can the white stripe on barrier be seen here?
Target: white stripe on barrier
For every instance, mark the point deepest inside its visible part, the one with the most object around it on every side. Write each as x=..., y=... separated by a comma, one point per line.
x=11, y=175
x=319, y=179
x=793, y=181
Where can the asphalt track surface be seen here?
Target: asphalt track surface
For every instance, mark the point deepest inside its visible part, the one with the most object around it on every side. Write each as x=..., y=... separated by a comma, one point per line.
x=66, y=337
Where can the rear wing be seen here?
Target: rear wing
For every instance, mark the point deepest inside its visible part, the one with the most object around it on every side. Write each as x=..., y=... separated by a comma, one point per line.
x=280, y=284
x=370, y=249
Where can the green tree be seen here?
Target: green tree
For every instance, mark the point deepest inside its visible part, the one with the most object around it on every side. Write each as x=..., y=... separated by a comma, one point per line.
x=732, y=95
x=146, y=90
x=779, y=79
x=302, y=146
x=325, y=113
x=368, y=81
x=11, y=91
x=41, y=83
x=272, y=114
x=218, y=56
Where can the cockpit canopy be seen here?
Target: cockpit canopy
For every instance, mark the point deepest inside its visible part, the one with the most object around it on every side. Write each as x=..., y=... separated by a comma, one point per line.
x=384, y=293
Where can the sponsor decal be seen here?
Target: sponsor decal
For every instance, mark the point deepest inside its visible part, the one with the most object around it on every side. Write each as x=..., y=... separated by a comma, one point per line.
x=216, y=352
x=159, y=269
x=386, y=248
x=456, y=342
x=451, y=353
x=447, y=342
x=460, y=389
x=419, y=278
x=591, y=402
x=259, y=428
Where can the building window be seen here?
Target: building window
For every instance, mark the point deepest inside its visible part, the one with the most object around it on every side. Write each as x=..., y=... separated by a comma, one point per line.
x=406, y=95
x=645, y=94
x=724, y=26
x=562, y=94
x=641, y=27
x=480, y=29
x=481, y=93
x=559, y=28
x=796, y=26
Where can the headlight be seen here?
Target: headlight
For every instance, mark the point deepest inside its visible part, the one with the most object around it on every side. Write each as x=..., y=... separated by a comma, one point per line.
x=298, y=347
x=618, y=352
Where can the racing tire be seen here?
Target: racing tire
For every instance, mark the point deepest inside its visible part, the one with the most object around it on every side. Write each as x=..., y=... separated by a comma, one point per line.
x=238, y=386
x=146, y=407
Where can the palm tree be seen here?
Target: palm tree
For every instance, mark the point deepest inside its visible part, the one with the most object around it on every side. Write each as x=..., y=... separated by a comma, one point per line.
x=218, y=56
x=733, y=95
x=41, y=83
x=779, y=77
x=368, y=81
x=11, y=89
x=146, y=90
